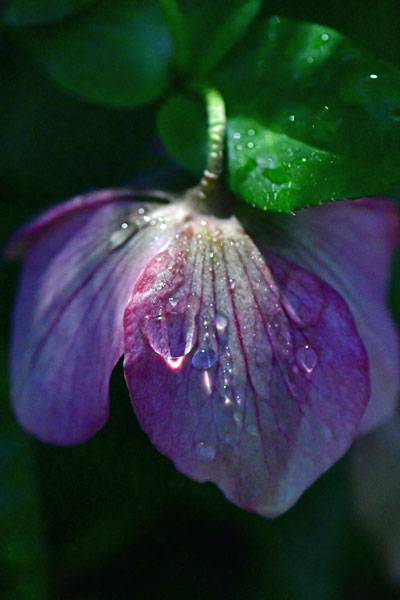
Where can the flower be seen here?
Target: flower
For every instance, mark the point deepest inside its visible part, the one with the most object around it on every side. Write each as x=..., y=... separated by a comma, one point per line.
x=252, y=359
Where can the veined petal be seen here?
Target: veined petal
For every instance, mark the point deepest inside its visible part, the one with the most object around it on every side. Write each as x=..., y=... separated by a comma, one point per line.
x=350, y=246
x=79, y=272
x=232, y=379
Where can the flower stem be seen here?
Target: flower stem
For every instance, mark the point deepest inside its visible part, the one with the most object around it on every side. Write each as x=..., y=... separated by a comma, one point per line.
x=216, y=137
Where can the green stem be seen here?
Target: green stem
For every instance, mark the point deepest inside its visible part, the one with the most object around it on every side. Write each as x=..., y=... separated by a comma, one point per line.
x=216, y=138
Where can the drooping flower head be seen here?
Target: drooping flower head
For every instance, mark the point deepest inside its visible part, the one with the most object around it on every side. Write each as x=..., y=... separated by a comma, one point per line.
x=253, y=357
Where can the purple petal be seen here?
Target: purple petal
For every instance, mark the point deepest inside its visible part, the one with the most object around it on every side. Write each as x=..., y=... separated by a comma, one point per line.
x=77, y=278
x=83, y=203
x=350, y=246
x=232, y=379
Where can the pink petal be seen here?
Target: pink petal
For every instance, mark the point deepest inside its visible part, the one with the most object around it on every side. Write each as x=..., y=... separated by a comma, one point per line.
x=350, y=246
x=79, y=272
x=232, y=379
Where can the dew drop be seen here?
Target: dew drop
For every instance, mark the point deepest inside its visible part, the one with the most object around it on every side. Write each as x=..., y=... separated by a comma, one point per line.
x=221, y=322
x=205, y=451
x=121, y=236
x=250, y=145
x=252, y=430
x=325, y=37
x=251, y=132
x=204, y=358
x=238, y=418
x=173, y=301
x=291, y=118
x=307, y=358
x=232, y=284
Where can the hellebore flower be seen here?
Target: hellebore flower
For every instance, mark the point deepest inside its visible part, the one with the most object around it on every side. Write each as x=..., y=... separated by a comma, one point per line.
x=252, y=359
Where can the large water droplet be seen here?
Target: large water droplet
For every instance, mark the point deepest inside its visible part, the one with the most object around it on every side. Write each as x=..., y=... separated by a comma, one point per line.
x=205, y=451
x=204, y=358
x=307, y=358
x=221, y=322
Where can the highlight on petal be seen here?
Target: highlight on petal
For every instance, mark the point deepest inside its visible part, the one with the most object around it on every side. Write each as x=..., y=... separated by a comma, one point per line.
x=244, y=370
x=78, y=274
x=350, y=246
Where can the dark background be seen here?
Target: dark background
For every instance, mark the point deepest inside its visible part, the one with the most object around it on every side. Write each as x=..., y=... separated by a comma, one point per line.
x=112, y=518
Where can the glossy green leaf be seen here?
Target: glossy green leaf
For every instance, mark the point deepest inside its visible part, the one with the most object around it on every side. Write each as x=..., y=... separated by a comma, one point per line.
x=325, y=117
x=311, y=118
x=116, y=53
x=41, y=12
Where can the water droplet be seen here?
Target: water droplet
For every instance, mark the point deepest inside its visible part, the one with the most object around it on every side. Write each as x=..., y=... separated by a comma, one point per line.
x=205, y=451
x=236, y=135
x=238, y=418
x=310, y=59
x=173, y=301
x=207, y=383
x=204, y=358
x=251, y=132
x=121, y=236
x=250, y=145
x=232, y=284
x=252, y=430
x=239, y=147
x=291, y=118
x=307, y=358
x=325, y=37
x=373, y=76
x=221, y=322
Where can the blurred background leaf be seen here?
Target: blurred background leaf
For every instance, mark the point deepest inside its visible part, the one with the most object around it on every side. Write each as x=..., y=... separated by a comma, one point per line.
x=116, y=53
x=41, y=12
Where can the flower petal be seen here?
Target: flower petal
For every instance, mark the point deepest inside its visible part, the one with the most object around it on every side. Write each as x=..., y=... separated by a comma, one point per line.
x=232, y=379
x=67, y=336
x=350, y=246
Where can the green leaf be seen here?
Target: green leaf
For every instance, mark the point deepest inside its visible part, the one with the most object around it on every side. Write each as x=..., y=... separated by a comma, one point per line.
x=41, y=12
x=325, y=117
x=214, y=27
x=311, y=118
x=116, y=53
x=182, y=126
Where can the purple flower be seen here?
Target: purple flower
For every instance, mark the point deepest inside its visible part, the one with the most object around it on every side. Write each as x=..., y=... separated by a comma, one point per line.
x=252, y=359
